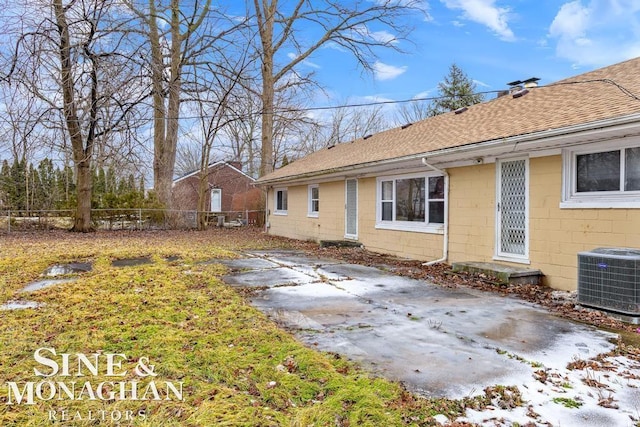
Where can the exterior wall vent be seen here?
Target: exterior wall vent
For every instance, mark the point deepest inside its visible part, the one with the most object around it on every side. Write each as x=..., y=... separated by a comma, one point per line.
x=609, y=279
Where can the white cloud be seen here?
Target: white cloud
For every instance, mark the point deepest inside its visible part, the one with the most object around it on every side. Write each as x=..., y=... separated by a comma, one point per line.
x=422, y=95
x=306, y=62
x=387, y=72
x=383, y=37
x=485, y=12
x=571, y=21
x=597, y=32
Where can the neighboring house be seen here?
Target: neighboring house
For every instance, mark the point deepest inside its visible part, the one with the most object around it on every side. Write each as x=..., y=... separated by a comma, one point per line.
x=229, y=191
x=530, y=178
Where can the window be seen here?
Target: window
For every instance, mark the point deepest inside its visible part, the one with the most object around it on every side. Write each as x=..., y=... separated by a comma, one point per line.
x=413, y=202
x=281, y=201
x=596, y=177
x=314, y=200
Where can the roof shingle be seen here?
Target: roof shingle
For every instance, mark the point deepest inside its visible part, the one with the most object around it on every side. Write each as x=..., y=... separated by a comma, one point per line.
x=601, y=94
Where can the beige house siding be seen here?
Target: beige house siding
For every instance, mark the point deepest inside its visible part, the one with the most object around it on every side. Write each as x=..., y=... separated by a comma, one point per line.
x=295, y=224
x=330, y=224
x=472, y=213
x=557, y=235
x=420, y=246
x=331, y=215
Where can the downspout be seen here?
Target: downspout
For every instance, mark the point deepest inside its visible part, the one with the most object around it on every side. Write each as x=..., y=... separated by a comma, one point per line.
x=445, y=238
x=266, y=210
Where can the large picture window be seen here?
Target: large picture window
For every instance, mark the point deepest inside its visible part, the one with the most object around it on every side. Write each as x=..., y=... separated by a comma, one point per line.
x=281, y=202
x=596, y=177
x=413, y=202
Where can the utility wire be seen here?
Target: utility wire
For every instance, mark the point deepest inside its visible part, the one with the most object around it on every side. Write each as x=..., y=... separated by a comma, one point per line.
x=622, y=89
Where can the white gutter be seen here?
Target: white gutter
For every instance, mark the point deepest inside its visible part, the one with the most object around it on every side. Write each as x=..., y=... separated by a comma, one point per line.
x=445, y=238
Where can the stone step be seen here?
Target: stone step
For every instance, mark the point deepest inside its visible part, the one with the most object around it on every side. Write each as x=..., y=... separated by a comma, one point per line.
x=504, y=274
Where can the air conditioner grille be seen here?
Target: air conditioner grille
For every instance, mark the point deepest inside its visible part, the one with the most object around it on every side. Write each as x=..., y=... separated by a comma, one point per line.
x=609, y=278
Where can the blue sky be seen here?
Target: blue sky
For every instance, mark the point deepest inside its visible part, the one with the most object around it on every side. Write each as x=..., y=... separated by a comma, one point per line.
x=494, y=42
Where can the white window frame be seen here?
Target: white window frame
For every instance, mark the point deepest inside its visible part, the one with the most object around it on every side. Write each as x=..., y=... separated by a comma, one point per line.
x=420, y=227
x=572, y=199
x=277, y=211
x=313, y=213
x=213, y=208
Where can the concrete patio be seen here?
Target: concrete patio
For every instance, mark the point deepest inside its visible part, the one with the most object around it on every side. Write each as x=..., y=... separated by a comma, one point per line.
x=437, y=341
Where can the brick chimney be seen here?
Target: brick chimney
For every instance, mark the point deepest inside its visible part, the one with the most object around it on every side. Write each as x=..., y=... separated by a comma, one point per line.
x=236, y=164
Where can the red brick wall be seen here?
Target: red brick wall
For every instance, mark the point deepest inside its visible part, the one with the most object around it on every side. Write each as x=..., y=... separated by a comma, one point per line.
x=238, y=192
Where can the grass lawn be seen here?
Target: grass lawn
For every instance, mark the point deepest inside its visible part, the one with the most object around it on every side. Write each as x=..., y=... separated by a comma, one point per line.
x=195, y=351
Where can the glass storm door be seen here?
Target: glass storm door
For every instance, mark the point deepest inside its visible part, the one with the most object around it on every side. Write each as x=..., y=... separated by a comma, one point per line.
x=512, y=220
x=351, y=208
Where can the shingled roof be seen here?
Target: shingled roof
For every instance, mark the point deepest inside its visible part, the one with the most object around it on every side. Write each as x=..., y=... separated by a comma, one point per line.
x=602, y=94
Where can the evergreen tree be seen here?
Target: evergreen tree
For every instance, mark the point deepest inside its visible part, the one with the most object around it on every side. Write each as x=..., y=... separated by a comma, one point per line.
x=111, y=184
x=47, y=192
x=5, y=181
x=457, y=90
x=17, y=186
x=66, y=188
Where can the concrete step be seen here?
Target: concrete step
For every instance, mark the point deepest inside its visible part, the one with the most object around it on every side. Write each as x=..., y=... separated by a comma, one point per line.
x=505, y=274
x=340, y=244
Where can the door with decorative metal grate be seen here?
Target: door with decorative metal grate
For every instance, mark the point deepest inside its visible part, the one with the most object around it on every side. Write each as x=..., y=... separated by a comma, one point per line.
x=512, y=209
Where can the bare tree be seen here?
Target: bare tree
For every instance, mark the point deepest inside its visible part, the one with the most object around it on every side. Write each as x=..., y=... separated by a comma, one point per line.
x=174, y=32
x=243, y=135
x=279, y=27
x=71, y=57
x=215, y=112
x=23, y=132
x=343, y=124
x=414, y=111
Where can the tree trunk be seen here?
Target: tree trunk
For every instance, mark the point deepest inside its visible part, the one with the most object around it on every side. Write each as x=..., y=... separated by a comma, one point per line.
x=266, y=161
x=266, y=24
x=82, y=221
x=202, y=200
x=166, y=118
x=81, y=156
x=159, y=108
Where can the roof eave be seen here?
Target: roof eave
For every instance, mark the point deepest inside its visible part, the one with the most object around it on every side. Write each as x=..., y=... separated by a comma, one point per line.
x=560, y=137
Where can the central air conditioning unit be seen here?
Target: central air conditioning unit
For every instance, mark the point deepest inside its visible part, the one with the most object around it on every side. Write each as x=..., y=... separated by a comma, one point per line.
x=609, y=279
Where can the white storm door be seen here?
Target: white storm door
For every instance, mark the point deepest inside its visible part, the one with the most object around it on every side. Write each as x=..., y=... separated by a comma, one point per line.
x=512, y=203
x=216, y=200
x=351, y=209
